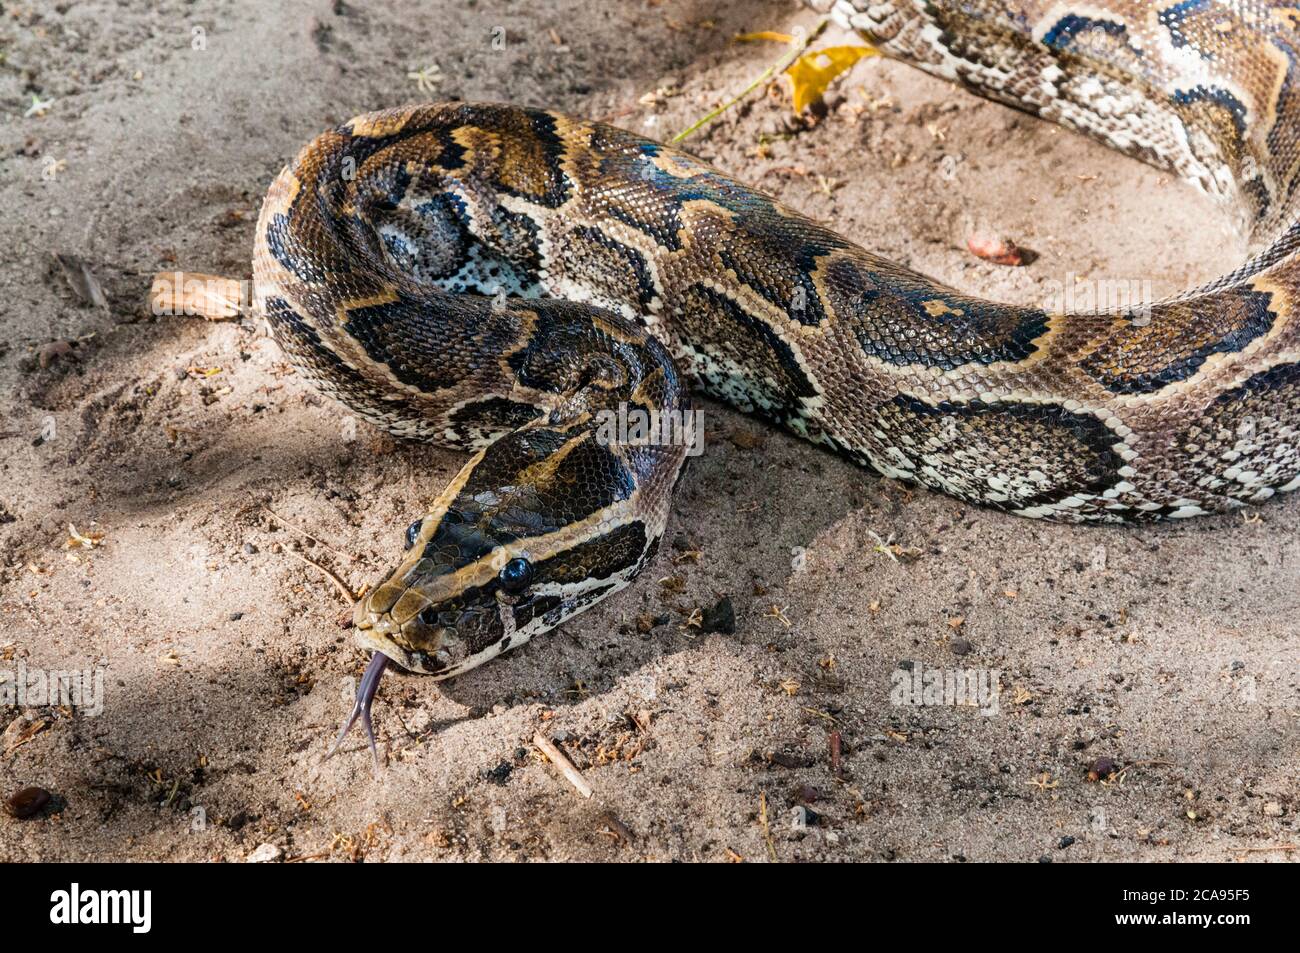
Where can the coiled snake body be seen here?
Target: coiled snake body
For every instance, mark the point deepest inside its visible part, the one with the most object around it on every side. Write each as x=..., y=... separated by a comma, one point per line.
x=502, y=279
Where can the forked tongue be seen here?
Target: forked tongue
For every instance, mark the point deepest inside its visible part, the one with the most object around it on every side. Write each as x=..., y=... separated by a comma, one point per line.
x=361, y=709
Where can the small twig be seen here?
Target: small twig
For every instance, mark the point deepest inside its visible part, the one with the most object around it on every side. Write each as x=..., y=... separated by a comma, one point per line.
x=1265, y=850
x=1122, y=772
x=797, y=47
x=820, y=714
x=617, y=828
x=767, y=829
x=302, y=532
x=342, y=586
x=562, y=762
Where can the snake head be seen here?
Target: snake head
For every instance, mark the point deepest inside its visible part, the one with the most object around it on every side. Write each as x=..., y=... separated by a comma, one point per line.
x=544, y=524
x=451, y=599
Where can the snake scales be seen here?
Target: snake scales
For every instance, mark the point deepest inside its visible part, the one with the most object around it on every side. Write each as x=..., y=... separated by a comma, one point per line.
x=497, y=278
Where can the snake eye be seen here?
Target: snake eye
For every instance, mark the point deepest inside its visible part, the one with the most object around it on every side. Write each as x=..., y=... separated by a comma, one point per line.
x=516, y=574
x=413, y=531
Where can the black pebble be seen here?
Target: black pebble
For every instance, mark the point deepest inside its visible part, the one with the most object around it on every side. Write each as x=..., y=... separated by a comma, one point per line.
x=27, y=803
x=720, y=617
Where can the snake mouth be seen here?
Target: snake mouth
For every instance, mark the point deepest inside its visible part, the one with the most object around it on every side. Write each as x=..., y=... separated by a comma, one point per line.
x=380, y=632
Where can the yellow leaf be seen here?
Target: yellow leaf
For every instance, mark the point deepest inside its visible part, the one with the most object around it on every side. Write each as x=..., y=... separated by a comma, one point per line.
x=811, y=73
x=764, y=35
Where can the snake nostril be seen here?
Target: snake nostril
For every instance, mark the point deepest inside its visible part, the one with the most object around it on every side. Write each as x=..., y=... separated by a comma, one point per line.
x=428, y=616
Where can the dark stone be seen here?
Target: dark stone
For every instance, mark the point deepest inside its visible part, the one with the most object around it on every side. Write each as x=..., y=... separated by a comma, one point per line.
x=27, y=803
x=721, y=617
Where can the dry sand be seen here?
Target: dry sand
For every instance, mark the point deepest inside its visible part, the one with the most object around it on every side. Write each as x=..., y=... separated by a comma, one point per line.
x=1172, y=651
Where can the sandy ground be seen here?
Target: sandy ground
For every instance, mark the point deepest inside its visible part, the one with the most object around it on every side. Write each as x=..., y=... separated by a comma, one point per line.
x=1171, y=652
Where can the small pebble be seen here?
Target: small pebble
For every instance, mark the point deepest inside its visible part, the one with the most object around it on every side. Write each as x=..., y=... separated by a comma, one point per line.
x=265, y=854
x=960, y=646
x=236, y=616
x=1101, y=769
x=1065, y=842
x=27, y=803
x=808, y=794
x=53, y=352
x=721, y=617
x=994, y=248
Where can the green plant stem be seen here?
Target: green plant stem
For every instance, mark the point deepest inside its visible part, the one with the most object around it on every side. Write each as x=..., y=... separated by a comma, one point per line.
x=796, y=50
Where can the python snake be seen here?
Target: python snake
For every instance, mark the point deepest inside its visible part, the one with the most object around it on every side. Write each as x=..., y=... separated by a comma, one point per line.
x=503, y=279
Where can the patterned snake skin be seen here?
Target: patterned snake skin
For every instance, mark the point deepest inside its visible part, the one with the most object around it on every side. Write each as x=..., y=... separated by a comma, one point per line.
x=501, y=279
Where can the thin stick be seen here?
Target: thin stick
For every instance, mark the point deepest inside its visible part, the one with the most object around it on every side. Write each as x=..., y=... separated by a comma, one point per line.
x=617, y=828
x=342, y=586
x=767, y=829
x=561, y=761
x=302, y=532
x=797, y=47
x=1265, y=850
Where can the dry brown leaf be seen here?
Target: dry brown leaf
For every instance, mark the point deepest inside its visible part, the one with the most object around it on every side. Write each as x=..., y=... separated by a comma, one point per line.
x=21, y=731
